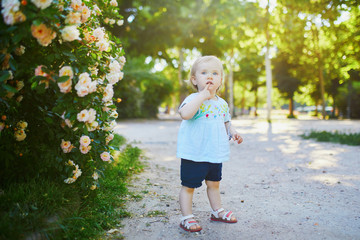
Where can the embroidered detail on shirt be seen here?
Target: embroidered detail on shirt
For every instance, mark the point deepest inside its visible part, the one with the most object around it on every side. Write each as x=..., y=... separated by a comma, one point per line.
x=212, y=111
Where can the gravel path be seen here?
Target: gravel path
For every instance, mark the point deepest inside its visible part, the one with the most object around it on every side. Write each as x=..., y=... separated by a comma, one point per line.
x=279, y=185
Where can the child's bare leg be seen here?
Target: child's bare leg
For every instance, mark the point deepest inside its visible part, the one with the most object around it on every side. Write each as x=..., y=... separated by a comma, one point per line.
x=185, y=199
x=213, y=192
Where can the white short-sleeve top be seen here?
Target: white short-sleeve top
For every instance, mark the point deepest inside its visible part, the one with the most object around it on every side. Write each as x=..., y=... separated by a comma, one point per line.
x=204, y=137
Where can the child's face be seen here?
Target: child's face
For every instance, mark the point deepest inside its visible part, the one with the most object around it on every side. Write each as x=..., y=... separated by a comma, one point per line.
x=208, y=73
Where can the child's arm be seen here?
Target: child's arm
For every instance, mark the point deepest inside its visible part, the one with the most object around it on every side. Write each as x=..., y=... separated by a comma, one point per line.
x=189, y=109
x=233, y=133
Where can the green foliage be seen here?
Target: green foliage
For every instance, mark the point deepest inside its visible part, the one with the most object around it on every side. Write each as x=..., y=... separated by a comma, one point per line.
x=107, y=207
x=336, y=137
x=58, y=68
x=57, y=211
x=320, y=38
x=35, y=207
x=141, y=91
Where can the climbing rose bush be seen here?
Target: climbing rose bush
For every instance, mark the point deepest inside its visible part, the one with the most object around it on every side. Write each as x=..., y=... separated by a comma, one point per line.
x=58, y=68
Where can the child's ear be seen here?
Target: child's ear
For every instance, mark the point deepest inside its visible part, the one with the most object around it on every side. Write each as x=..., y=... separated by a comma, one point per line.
x=193, y=80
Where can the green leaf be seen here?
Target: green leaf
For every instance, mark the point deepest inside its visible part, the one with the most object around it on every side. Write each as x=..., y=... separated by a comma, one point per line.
x=9, y=88
x=11, y=29
x=34, y=85
x=5, y=76
x=13, y=64
x=49, y=120
x=63, y=79
x=37, y=22
x=116, y=148
x=37, y=78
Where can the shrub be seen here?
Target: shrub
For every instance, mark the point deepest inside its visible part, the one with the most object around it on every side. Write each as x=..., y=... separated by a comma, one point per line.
x=58, y=68
x=44, y=209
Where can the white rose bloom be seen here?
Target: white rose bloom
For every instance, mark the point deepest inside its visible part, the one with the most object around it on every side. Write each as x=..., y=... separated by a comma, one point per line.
x=85, y=140
x=42, y=4
x=121, y=75
x=99, y=33
x=77, y=172
x=113, y=77
x=110, y=126
x=92, y=87
x=70, y=163
x=9, y=18
x=108, y=93
x=83, y=116
x=82, y=91
x=113, y=124
x=85, y=14
x=65, y=87
x=122, y=61
x=69, y=180
x=84, y=149
x=92, y=115
x=109, y=138
x=120, y=22
x=20, y=135
x=114, y=114
x=103, y=45
x=76, y=4
x=114, y=3
x=10, y=5
x=70, y=33
x=85, y=79
x=73, y=18
x=95, y=176
x=20, y=50
x=114, y=66
x=68, y=123
x=66, y=71
x=105, y=156
x=96, y=10
x=92, y=126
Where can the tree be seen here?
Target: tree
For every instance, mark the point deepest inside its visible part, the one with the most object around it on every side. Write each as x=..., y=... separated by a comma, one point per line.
x=286, y=82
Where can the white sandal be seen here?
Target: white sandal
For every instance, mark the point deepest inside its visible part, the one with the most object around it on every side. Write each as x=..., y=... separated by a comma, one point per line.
x=226, y=218
x=186, y=225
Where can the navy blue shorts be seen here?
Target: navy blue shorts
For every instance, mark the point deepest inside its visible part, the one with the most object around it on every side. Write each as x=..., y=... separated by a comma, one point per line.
x=193, y=173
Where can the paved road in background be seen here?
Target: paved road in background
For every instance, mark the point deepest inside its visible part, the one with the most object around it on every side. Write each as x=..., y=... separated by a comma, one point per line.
x=279, y=185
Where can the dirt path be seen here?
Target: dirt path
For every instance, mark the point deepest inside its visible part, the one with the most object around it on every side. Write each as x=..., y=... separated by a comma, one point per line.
x=279, y=185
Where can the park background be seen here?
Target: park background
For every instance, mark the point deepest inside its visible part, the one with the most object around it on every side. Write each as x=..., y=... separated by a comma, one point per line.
x=63, y=58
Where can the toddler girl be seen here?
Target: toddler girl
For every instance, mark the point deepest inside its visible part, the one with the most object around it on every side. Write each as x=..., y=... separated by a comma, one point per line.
x=203, y=141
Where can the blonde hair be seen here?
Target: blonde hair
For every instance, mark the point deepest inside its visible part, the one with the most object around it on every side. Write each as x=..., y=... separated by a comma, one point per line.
x=202, y=60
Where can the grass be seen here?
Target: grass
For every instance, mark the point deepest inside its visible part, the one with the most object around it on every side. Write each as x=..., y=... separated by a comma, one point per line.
x=156, y=213
x=352, y=139
x=51, y=210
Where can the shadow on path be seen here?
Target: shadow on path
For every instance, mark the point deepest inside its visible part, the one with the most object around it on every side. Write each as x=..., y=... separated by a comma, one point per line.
x=279, y=185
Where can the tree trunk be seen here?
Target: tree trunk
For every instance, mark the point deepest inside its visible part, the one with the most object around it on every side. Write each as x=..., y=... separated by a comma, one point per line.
x=322, y=87
x=348, y=108
x=256, y=101
x=320, y=67
x=243, y=102
x=180, y=75
x=231, y=85
x=268, y=66
x=291, y=107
